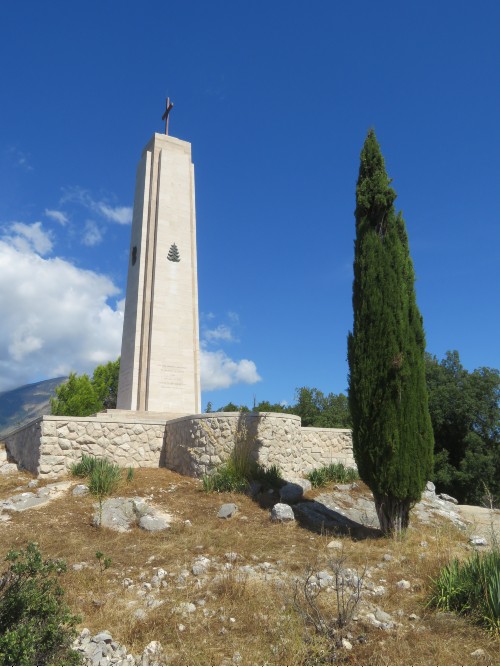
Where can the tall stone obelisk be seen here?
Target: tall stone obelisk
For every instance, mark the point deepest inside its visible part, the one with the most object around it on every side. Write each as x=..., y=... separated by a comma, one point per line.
x=160, y=366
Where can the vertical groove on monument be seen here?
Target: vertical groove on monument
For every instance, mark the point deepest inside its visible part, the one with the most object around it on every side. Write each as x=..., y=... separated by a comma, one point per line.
x=160, y=369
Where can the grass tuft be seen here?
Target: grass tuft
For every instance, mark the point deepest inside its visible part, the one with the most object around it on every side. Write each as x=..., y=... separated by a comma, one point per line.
x=471, y=588
x=335, y=472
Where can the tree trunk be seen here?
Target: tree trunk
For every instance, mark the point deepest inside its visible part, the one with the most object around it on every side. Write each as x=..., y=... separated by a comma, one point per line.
x=393, y=514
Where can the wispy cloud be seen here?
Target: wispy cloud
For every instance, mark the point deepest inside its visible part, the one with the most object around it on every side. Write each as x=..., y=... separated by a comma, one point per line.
x=92, y=234
x=20, y=159
x=58, y=216
x=120, y=214
x=221, y=332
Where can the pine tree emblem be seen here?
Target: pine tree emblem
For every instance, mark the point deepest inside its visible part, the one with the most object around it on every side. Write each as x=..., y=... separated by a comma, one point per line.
x=173, y=254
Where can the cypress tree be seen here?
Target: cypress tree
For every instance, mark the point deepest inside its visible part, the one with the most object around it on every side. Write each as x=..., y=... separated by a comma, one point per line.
x=392, y=431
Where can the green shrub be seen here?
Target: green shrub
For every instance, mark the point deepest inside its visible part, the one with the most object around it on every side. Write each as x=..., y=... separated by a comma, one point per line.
x=471, y=588
x=225, y=478
x=84, y=467
x=104, y=478
x=270, y=477
x=36, y=626
x=335, y=472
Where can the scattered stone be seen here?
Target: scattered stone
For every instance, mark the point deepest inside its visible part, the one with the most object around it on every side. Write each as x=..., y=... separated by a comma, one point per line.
x=153, y=523
x=77, y=567
x=403, y=585
x=346, y=644
x=478, y=541
x=185, y=608
x=121, y=514
x=188, y=523
x=430, y=487
x=32, y=484
x=414, y=617
x=449, y=499
x=103, y=636
x=227, y=511
x=231, y=556
x=200, y=566
x=424, y=544
x=140, y=615
x=237, y=658
x=80, y=490
x=294, y=490
x=478, y=653
x=334, y=544
x=181, y=627
x=282, y=513
x=152, y=654
x=387, y=558
x=8, y=468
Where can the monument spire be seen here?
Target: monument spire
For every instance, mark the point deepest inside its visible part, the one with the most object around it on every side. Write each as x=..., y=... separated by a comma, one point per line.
x=168, y=107
x=160, y=366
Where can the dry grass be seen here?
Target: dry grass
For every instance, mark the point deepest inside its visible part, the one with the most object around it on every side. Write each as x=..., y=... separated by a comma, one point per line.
x=236, y=613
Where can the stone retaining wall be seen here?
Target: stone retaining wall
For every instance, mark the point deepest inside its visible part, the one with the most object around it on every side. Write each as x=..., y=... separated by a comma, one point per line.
x=193, y=445
x=49, y=445
x=322, y=446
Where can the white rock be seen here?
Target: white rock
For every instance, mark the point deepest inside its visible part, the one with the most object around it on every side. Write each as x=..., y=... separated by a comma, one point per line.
x=478, y=541
x=478, y=653
x=282, y=513
x=347, y=645
x=403, y=585
x=334, y=544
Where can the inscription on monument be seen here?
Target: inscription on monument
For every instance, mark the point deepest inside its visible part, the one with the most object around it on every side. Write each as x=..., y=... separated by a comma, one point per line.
x=171, y=376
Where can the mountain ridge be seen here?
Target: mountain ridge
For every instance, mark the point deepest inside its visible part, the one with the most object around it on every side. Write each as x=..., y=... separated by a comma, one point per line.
x=23, y=404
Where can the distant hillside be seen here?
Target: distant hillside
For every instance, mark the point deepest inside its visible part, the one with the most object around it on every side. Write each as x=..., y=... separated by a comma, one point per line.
x=23, y=404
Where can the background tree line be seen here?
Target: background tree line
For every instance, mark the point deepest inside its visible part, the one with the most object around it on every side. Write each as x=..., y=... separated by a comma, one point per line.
x=464, y=408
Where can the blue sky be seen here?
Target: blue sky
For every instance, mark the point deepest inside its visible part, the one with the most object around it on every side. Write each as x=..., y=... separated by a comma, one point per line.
x=276, y=99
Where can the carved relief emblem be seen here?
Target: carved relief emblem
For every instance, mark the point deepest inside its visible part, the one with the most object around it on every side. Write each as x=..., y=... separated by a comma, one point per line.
x=173, y=254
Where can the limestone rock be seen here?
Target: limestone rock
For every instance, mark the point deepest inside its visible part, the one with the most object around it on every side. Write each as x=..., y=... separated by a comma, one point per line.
x=294, y=490
x=449, y=499
x=227, y=511
x=153, y=523
x=334, y=544
x=80, y=490
x=403, y=585
x=121, y=514
x=478, y=541
x=282, y=513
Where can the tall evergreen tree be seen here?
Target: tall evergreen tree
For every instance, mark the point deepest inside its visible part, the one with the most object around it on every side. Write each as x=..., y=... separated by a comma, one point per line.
x=392, y=431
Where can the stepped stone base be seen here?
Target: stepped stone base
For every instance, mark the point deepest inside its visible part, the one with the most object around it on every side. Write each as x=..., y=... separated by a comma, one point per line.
x=192, y=445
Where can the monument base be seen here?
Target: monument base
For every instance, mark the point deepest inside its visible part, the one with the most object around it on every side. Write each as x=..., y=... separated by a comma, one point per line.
x=192, y=445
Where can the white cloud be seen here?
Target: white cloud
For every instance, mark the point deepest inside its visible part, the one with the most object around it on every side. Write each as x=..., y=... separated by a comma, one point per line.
x=218, y=371
x=221, y=332
x=58, y=216
x=28, y=238
x=92, y=235
x=120, y=214
x=20, y=159
x=55, y=316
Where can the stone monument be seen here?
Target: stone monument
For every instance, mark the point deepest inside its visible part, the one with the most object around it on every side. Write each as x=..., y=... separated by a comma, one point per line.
x=160, y=365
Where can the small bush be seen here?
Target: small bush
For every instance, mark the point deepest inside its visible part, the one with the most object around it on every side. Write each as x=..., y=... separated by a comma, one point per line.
x=335, y=472
x=84, y=467
x=104, y=478
x=270, y=477
x=471, y=588
x=225, y=478
x=36, y=626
